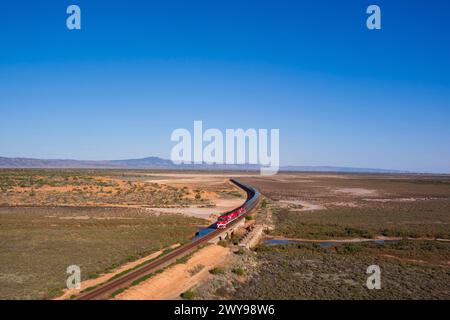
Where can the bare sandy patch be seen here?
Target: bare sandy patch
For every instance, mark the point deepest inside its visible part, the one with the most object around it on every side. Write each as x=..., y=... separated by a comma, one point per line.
x=346, y=204
x=75, y=218
x=105, y=277
x=322, y=175
x=356, y=191
x=177, y=279
x=193, y=178
x=221, y=205
x=216, y=203
x=114, y=218
x=288, y=179
x=306, y=205
x=399, y=199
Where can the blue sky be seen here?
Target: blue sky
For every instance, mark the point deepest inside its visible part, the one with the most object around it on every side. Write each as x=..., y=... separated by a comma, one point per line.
x=339, y=93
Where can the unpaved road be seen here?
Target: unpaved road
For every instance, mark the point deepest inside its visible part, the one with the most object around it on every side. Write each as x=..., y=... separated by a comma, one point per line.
x=105, y=277
x=179, y=278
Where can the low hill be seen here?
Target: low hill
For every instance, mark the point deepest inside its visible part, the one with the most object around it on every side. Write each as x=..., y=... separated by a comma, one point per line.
x=160, y=163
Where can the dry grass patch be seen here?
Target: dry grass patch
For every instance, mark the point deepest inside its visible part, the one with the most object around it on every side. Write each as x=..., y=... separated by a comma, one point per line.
x=37, y=245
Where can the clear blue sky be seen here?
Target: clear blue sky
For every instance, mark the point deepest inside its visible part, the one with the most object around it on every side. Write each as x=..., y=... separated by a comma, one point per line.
x=340, y=94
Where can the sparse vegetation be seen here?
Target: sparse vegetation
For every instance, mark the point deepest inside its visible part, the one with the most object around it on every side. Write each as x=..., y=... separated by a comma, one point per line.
x=87, y=187
x=224, y=243
x=142, y=279
x=238, y=271
x=311, y=272
x=185, y=259
x=117, y=292
x=40, y=243
x=392, y=206
x=217, y=271
x=50, y=219
x=263, y=203
x=188, y=295
x=222, y=292
x=424, y=219
x=196, y=269
x=353, y=206
x=232, y=193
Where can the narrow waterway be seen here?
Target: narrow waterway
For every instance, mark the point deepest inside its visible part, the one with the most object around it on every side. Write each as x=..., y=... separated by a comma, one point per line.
x=325, y=244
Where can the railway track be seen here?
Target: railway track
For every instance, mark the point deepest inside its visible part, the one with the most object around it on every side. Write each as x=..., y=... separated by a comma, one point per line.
x=105, y=290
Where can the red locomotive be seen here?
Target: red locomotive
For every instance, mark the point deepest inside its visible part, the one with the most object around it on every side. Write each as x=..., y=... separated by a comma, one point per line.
x=225, y=219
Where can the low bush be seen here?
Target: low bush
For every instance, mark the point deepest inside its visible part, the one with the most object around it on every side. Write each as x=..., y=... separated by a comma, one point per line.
x=188, y=295
x=217, y=271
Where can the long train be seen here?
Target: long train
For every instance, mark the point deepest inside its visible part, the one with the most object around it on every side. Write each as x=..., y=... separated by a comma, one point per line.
x=252, y=198
x=105, y=290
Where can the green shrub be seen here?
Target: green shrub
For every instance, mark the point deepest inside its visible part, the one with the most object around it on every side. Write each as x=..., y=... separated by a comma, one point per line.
x=217, y=271
x=196, y=269
x=188, y=295
x=351, y=248
x=222, y=292
x=142, y=279
x=264, y=203
x=117, y=292
x=223, y=243
x=238, y=271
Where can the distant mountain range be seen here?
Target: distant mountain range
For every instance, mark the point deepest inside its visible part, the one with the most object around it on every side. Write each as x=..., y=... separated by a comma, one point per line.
x=160, y=163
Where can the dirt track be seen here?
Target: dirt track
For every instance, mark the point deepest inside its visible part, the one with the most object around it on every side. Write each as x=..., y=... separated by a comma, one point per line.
x=179, y=278
x=105, y=277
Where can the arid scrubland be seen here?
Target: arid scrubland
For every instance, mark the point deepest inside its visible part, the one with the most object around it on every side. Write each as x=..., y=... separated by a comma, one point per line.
x=414, y=210
x=96, y=219
x=101, y=219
